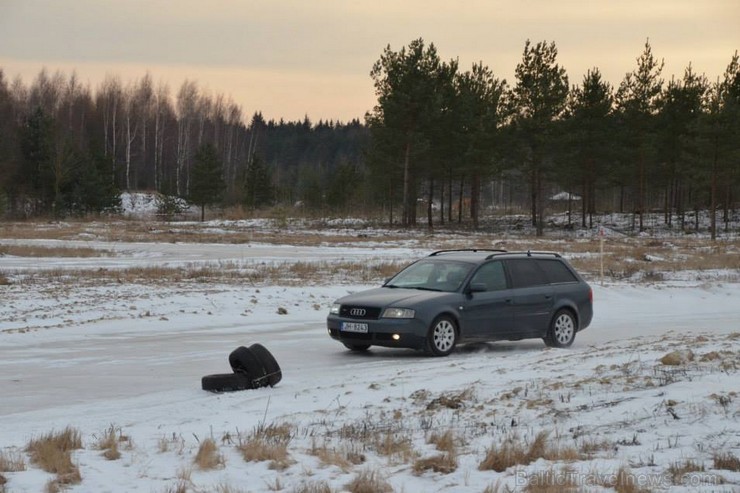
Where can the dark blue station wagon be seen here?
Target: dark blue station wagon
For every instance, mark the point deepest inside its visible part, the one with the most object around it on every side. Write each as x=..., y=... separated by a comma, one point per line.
x=459, y=296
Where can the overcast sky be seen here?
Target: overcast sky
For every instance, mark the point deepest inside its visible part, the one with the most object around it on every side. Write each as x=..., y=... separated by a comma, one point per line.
x=290, y=58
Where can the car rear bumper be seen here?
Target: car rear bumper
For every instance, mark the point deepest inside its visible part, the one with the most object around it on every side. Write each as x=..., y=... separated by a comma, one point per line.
x=400, y=333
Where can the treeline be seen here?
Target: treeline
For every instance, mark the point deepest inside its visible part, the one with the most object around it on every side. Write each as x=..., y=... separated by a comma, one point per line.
x=441, y=133
x=68, y=149
x=440, y=143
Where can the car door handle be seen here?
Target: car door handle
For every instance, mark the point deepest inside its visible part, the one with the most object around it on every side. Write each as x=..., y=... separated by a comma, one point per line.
x=548, y=297
x=509, y=301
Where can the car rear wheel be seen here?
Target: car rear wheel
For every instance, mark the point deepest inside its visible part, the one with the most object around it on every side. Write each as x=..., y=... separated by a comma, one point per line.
x=562, y=330
x=357, y=347
x=442, y=336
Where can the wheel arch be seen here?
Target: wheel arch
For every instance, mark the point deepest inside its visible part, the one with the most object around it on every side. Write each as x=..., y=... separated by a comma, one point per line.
x=451, y=314
x=571, y=309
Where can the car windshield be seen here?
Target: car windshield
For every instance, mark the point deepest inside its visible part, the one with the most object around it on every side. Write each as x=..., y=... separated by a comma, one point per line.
x=436, y=275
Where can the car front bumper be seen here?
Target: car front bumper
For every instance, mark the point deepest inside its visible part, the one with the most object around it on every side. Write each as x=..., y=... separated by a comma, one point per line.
x=387, y=332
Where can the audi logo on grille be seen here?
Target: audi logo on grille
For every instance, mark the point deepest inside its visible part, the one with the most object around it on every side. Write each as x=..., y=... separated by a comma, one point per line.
x=357, y=312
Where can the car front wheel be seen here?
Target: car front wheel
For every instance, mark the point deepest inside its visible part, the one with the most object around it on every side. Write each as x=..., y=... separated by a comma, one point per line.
x=562, y=330
x=442, y=336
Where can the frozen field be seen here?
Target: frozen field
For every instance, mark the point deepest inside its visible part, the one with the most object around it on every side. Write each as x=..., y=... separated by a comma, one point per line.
x=129, y=357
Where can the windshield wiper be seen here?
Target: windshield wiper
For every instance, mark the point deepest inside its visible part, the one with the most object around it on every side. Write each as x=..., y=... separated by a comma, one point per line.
x=423, y=288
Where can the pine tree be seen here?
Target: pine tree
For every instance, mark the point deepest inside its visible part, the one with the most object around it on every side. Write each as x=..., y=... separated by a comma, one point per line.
x=409, y=85
x=589, y=137
x=637, y=101
x=258, y=188
x=539, y=98
x=206, y=182
x=37, y=148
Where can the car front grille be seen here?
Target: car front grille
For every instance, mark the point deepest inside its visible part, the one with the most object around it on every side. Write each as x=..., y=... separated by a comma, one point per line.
x=359, y=312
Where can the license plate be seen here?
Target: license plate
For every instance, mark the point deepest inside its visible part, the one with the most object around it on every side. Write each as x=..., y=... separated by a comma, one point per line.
x=354, y=327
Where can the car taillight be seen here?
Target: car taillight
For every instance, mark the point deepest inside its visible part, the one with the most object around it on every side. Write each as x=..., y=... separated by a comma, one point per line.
x=591, y=295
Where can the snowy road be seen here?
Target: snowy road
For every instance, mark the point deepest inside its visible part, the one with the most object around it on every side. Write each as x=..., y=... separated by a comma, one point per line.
x=127, y=356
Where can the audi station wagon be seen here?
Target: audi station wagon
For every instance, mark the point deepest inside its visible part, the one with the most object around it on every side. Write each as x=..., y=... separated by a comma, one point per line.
x=470, y=295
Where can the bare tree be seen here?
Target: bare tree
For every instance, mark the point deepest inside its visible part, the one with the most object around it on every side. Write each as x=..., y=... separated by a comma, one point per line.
x=132, y=126
x=161, y=110
x=109, y=99
x=187, y=99
x=145, y=109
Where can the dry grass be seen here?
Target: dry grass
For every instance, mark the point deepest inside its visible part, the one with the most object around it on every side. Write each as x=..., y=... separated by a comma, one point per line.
x=552, y=481
x=225, y=488
x=172, y=443
x=443, y=463
x=677, y=358
x=727, y=461
x=254, y=273
x=12, y=461
x=497, y=488
x=369, y=481
x=513, y=452
x=62, y=481
x=313, y=487
x=626, y=482
x=180, y=487
x=268, y=443
x=344, y=457
x=446, y=462
x=394, y=445
x=678, y=470
x=445, y=442
x=208, y=456
x=48, y=251
x=109, y=443
x=453, y=401
x=52, y=452
x=589, y=447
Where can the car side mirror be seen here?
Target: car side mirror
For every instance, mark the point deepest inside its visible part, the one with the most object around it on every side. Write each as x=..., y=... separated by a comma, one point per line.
x=477, y=287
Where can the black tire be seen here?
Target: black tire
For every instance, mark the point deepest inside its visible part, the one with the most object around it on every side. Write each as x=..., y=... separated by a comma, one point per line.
x=273, y=373
x=243, y=360
x=226, y=382
x=357, y=347
x=562, y=331
x=442, y=336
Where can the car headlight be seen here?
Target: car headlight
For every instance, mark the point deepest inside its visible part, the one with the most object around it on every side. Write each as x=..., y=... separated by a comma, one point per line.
x=334, y=310
x=398, y=313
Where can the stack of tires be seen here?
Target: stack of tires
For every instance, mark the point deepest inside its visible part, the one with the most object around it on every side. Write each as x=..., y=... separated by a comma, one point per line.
x=252, y=367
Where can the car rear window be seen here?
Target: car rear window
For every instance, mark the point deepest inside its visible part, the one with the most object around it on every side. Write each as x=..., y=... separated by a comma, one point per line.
x=525, y=273
x=556, y=271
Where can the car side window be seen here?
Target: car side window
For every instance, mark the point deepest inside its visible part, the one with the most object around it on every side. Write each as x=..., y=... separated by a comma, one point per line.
x=525, y=273
x=556, y=271
x=492, y=275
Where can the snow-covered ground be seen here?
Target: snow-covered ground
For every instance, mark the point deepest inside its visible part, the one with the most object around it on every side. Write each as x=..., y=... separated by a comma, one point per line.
x=129, y=357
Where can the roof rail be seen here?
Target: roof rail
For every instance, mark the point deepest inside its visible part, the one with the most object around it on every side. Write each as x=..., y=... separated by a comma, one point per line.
x=528, y=253
x=434, y=254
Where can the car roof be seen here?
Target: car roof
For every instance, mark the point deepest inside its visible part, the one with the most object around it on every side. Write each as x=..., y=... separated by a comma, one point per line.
x=478, y=255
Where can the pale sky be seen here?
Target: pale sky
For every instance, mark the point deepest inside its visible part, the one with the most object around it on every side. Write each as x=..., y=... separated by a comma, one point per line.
x=290, y=58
